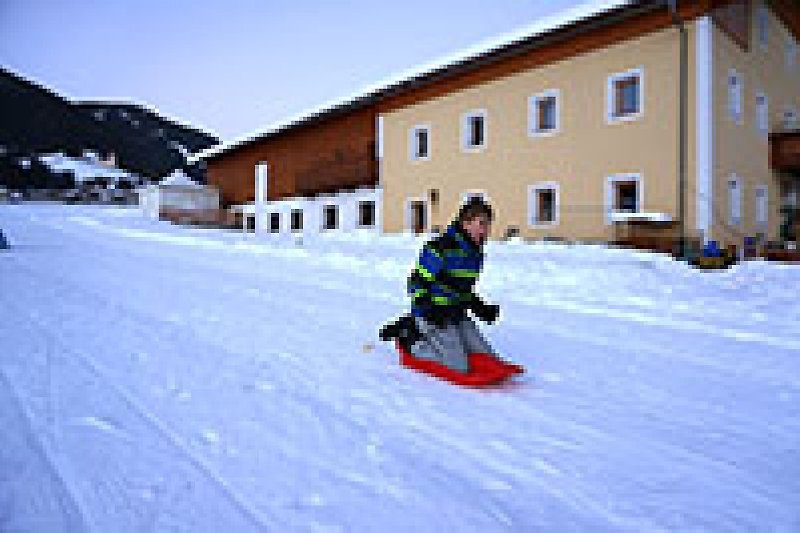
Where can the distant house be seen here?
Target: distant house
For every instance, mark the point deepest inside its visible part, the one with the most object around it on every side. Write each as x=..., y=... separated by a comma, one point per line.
x=90, y=167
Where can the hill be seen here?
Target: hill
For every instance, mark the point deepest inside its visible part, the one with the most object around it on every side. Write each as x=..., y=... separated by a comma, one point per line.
x=36, y=120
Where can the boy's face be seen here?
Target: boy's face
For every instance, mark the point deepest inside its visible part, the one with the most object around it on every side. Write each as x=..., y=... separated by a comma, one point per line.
x=477, y=229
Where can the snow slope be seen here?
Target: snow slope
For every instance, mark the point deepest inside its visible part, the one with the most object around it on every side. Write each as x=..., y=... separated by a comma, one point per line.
x=155, y=378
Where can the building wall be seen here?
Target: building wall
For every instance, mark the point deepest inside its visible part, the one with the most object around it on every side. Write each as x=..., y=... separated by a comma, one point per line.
x=580, y=157
x=312, y=207
x=740, y=148
x=333, y=154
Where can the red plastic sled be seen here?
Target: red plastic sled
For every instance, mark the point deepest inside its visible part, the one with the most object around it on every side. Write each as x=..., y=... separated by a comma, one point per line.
x=484, y=369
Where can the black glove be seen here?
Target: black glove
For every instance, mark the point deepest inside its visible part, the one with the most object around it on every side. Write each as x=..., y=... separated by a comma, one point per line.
x=486, y=312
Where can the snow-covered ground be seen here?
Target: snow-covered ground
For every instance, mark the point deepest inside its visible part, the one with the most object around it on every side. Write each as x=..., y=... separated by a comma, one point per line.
x=156, y=378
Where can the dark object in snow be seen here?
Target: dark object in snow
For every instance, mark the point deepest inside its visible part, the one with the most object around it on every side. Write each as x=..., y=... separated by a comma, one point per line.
x=713, y=258
x=3, y=241
x=485, y=369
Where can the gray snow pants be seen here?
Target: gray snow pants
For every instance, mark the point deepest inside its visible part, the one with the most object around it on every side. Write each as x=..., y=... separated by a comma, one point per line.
x=450, y=345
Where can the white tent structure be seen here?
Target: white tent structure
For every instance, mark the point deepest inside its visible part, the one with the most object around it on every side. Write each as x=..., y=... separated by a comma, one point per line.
x=177, y=192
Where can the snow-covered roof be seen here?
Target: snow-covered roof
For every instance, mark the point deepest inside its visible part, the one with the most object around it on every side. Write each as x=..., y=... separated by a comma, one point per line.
x=84, y=168
x=179, y=178
x=539, y=27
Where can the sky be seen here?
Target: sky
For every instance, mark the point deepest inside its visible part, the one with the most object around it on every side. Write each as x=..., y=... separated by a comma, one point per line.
x=235, y=67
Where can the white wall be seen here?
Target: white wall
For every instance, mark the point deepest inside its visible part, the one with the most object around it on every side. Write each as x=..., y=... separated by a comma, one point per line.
x=347, y=203
x=153, y=197
x=149, y=200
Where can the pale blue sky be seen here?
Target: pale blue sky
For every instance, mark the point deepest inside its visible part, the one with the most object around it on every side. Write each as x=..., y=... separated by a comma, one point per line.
x=238, y=65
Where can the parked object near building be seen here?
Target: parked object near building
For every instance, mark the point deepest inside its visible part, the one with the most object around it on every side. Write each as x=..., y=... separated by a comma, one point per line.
x=714, y=258
x=647, y=231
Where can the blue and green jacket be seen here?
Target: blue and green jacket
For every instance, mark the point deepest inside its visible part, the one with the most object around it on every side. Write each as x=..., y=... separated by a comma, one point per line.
x=443, y=278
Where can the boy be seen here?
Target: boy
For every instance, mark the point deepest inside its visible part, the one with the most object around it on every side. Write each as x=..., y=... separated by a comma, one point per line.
x=441, y=287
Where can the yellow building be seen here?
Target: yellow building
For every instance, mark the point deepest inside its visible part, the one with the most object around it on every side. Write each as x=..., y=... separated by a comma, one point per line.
x=572, y=130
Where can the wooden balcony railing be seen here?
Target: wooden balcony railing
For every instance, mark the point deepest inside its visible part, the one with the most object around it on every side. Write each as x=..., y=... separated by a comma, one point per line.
x=337, y=173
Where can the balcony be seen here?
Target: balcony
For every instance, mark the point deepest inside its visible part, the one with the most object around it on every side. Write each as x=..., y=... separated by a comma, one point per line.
x=341, y=172
x=784, y=151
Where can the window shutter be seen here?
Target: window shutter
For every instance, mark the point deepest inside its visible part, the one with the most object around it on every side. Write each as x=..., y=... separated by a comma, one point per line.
x=762, y=111
x=734, y=200
x=762, y=203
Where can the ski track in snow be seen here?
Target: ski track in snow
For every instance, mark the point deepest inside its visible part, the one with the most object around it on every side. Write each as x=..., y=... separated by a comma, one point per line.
x=201, y=378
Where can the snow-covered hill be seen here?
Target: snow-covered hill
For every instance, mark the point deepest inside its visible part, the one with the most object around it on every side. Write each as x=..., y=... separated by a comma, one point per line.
x=155, y=378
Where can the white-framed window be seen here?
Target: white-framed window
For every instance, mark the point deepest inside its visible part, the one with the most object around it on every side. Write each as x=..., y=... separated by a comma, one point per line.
x=624, y=194
x=762, y=205
x=791, y=54
x=735, y=91
x=296, y=220
x=543, y=204
x=762, y=27
x=762, y=113
x=330, y=216
x=625, y=96
x=544, y=113
x=734, y=201
x=274, y=222
x=790, y=118
x=366, y=214
x=473, y=130
x=419, y=142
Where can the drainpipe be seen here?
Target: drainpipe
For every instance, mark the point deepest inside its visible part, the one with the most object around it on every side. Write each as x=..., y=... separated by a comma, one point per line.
x=678, y=22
